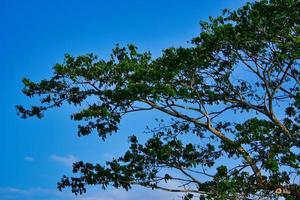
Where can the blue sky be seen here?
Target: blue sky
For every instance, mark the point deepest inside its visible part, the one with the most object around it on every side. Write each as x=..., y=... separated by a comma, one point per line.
x=34, y=36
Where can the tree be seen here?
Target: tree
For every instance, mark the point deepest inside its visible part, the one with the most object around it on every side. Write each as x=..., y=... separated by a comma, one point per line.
x=235, y=91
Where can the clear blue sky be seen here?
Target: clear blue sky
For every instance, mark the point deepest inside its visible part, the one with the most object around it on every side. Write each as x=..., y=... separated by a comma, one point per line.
x=36, y=34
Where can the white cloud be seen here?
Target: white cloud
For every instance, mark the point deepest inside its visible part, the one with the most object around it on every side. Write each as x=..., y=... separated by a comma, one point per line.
x=134, y=194
x=28, y=158
x=12, y=190
x=92, y=194
x=65, y=160
x=17, y=193
x=108, y=156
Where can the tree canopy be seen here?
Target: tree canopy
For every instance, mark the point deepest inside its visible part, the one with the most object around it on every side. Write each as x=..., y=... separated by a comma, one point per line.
x=234, y=90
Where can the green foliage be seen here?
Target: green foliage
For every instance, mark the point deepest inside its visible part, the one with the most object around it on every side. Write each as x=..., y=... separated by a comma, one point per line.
x=243, y=63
